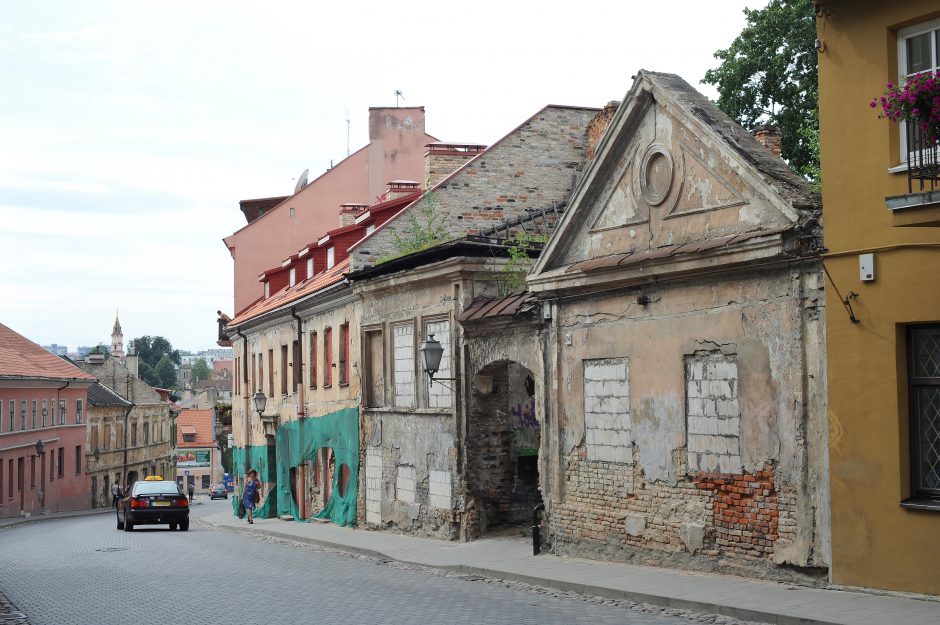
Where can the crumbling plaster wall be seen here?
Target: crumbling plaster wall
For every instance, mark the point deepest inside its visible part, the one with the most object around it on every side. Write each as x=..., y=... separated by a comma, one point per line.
x=771, y=321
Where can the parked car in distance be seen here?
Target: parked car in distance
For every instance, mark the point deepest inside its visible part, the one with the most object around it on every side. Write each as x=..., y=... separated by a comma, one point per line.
x=153, y=502
x=217, y=491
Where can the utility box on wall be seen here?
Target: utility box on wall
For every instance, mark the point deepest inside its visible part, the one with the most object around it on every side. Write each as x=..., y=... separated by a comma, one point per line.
x=866, y=267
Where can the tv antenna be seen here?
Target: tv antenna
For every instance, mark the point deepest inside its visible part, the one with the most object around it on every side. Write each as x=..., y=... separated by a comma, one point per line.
x=398, y=94
x=301, y=182
x=347, y=132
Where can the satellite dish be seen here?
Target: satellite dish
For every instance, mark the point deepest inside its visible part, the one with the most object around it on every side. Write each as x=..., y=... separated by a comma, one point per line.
x=301, y=182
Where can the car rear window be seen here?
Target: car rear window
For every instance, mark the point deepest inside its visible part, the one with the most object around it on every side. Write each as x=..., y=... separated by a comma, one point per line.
x=156, y=488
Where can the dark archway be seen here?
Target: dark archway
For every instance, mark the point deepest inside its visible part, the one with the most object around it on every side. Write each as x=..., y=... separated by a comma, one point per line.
x=503, y=440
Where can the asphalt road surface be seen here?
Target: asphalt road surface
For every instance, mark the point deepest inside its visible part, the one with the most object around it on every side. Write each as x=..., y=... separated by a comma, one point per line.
x=83, y=571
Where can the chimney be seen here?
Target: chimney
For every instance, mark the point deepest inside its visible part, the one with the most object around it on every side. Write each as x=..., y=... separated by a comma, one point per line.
x=400, y=188
x=441, y=159
x=598, y=126
x=131, y=362
x=768, y=136
x=94, y=358
x=348, y=212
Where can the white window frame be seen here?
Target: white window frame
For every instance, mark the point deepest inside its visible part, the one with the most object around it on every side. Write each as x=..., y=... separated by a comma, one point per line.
x=903, y=35
x=309, y=267
x=330, y=257
x=293, y=276
x=267, y=289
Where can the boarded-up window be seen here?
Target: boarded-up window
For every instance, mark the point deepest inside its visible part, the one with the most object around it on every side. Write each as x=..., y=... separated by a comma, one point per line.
x=327, y=356
x=374, y=355
x=284, y=370
x=712, y=414
x=344, y=354
x=313, y=359
x=404, y=364
x=607, y=424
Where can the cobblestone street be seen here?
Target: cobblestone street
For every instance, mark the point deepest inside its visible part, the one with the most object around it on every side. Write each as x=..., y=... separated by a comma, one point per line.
x=82, y=571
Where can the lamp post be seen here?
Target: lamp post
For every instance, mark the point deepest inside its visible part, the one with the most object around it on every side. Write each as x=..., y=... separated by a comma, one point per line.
x=97, y=455
x=431, y=352
x=260, y=400
x=40, y=448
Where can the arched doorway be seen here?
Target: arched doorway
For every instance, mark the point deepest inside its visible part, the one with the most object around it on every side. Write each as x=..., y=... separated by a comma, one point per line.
x=503, y=440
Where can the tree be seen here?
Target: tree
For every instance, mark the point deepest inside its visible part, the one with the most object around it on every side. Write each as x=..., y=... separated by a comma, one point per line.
x=200, y=370
x=769, y=75
x=164, y=373
x=151, y=351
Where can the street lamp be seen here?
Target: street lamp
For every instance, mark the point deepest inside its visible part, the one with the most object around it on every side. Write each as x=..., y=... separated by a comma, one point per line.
x=40, y=447
x=431, y=352
x=260, y=400
x=97, y=454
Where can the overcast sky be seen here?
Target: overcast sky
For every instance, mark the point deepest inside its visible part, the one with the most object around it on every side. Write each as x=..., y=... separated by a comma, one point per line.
x=129, y=131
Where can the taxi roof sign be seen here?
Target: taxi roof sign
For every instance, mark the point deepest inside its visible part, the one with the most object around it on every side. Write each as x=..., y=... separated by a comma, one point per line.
x=153, y=478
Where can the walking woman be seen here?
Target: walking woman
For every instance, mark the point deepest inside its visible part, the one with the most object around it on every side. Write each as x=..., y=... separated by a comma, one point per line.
x=252, y=493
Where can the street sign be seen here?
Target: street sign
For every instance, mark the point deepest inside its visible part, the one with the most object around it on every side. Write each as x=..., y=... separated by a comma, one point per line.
x=186, y=472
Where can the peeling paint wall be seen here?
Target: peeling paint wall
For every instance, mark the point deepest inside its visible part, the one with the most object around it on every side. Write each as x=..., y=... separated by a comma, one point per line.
x=711, y=384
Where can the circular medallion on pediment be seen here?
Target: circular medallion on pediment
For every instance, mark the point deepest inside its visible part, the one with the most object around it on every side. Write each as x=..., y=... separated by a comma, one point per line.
x=656, y=174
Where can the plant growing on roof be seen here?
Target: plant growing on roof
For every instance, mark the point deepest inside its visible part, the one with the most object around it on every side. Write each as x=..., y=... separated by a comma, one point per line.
x=512, y=276
x=425, y=229
x=916, y=102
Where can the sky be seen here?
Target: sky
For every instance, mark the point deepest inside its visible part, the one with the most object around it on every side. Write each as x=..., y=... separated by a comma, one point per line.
x=129, y=131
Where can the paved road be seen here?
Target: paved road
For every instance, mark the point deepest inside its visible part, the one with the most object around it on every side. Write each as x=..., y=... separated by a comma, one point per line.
x=82, y=571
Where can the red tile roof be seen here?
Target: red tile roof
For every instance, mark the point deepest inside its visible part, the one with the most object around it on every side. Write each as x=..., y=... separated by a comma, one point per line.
x=21, y=358
x=292, y=294
x=198, y=422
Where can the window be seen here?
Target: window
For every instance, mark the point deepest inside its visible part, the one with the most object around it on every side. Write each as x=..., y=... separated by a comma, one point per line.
x=32, y=471
x=403, y=364
x=78, y=460
x=918, y=52
x=313, y=359
x=374, y=358
x=13, y=415
x=270, y=373
x=370, y=229
x=45, y=412
x=93, y=443
x=293, y=276
x=438, y=394
x=237, y=371
x=78, y=411
x=309, y=267
x=63, y=412
x=32, y=411
x=51, y=412
x=133, y=435
x=205, y=478
x=327, y=356
x=330, y=257
x=297, y=366
x=924, y=393
x=20, y=477
x=260, y=386
x=22, y=414
x=51, y=464
x=146, y=433
x=283, y=369
x=344, y=354
x=61, y=462
x=267, y=290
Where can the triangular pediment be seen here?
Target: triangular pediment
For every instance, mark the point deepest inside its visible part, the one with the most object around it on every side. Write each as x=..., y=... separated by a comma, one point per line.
x=663, y=176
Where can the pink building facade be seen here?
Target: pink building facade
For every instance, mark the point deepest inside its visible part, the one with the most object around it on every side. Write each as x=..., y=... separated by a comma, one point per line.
x=43, y=400
x=396, y=149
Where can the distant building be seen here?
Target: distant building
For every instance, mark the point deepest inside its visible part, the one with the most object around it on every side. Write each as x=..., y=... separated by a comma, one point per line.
x=58, y=350
x=42, y=459
x=198, y=458
x=84, y=350
x=117, y=340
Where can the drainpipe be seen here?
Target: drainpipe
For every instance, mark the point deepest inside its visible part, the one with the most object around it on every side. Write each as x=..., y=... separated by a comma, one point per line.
x=124, y=474
x=302, y=408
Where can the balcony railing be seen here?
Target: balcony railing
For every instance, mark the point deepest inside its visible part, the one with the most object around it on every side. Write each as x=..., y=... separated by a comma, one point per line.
x=923, y=163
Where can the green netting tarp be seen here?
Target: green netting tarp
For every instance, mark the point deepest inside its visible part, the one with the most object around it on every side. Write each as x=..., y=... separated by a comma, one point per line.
x=297, y=442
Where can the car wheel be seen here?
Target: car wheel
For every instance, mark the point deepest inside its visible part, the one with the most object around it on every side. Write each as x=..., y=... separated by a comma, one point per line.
x=174, y=526
x=120, y=525
x=184, y=525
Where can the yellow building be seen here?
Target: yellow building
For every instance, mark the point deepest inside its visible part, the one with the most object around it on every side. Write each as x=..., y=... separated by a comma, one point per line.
x=883, y=300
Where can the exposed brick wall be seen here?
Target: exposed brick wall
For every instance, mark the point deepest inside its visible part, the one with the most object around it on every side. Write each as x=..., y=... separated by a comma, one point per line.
x=598, y=126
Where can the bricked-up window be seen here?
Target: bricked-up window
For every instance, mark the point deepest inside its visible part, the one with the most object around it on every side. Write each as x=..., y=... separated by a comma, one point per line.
x=313, y=359
x=924, y=393
x=78, y=460
x=607, y=423
x=344, y=354
x=713, y=418
x=283, y=369
x=327, y=356
x=61, y=462
x=374, y=357
x=271, y=372
x=439, y=396
x=403, y=364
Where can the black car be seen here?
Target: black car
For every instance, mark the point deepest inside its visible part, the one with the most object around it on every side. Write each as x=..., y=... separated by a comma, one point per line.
x=217, y=491
x=153, y=503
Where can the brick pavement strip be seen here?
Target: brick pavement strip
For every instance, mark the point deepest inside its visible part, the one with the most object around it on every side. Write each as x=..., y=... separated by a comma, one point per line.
x=83, y=571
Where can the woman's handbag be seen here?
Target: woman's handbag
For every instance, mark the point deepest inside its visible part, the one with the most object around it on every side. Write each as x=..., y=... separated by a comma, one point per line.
x=257, y=497
x=241, y=509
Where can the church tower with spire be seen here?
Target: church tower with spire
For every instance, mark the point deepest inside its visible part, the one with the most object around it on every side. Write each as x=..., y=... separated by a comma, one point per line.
x=117, y=340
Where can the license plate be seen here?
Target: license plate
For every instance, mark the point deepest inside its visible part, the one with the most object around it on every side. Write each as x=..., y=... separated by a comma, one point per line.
x=159, y=503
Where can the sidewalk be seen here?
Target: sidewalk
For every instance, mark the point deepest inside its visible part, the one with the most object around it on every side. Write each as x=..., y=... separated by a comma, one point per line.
x=512, y=559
